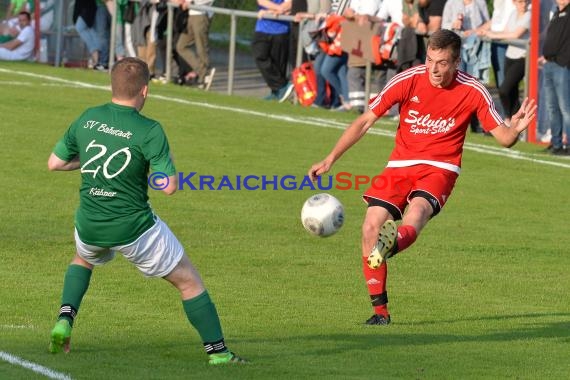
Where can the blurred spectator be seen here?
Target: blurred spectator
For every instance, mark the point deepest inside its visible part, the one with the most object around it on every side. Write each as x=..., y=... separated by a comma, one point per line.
x=47, y=15
x=9, y=27
x=317, y=11
x=103, y=29
x=144, y=33
x=309, y=22
x=502, y=9
x=17, y=6
x=433, y=11
x=84, y=19
x=297, y=6
x=389, y=12
x=547, y=10
x=359, y=11
x=464, y=17
x=182, y=68
x=21, y=47
x=517, y=26
x=555, y=60
x=129, y=10
x=193, y=43
x=270, y=48
x=333, y=66
x=118, y=9
x=161, y=39
x=410, y=13
x=47, y=12
x=411, y=36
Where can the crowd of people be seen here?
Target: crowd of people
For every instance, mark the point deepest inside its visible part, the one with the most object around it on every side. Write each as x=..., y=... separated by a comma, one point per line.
x=340, y=77
x=341, y=80
x=141, y=28
x=140, y=31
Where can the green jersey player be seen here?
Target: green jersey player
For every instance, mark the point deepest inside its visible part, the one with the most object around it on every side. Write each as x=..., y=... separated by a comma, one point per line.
x=114, y=146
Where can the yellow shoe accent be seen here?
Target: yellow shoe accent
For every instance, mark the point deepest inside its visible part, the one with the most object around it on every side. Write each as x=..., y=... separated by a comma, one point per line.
x=386, y=240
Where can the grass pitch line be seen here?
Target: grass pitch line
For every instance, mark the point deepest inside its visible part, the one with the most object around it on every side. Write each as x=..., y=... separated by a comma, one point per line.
x=30, y=84
x=313, y=121
x=56, y=79
x=16, y=327
x=33, y=367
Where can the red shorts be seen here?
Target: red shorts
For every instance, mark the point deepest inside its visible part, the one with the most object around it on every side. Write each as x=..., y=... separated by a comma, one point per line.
x=395, y=187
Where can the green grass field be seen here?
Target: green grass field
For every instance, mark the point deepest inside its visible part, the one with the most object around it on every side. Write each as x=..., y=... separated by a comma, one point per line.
x=483, y=294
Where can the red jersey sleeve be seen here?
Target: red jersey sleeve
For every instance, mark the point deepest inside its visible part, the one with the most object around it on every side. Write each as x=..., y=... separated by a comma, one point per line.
x=487, y=113
x=393, y=93
x=483, y=103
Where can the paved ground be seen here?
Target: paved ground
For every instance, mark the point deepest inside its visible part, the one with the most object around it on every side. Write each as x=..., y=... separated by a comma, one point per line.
x=247, y=79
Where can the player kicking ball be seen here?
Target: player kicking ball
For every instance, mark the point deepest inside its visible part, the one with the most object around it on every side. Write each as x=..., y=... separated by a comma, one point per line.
x=436, y=103
x=114, y=146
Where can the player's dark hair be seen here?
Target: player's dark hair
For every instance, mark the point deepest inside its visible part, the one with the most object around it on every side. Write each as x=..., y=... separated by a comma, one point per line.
x=446, y=39
x=27, y=14
x=128, y=77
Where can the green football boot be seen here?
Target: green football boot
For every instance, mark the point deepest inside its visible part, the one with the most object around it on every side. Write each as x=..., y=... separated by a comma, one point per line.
x=226, y=358
x=60, y=337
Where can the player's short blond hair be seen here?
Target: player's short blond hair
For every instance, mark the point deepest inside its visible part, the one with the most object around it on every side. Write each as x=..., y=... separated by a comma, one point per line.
x=128, y=77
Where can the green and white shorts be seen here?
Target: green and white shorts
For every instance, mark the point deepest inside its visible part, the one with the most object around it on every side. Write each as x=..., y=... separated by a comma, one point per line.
x=155, y=253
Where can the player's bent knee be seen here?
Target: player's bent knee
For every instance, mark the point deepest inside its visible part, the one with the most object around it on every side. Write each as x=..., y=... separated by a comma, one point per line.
x=370, y=230
x=425, y=202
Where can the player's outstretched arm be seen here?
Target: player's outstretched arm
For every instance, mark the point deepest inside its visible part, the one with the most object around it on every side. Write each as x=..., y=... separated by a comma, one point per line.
x=508, y=136
x=172, y=185
x=56, y=163
x=351, y=135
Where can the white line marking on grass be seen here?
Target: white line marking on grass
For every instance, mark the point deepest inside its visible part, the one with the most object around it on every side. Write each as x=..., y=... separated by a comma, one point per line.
x=30, y=84
x=15, y=83
x=16, y=327
x=314, y=121
x=33, y=366
x=56, y=79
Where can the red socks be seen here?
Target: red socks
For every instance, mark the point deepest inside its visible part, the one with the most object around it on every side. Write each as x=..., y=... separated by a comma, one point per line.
x=376, y=278
x=376, y=282
x=406, y=236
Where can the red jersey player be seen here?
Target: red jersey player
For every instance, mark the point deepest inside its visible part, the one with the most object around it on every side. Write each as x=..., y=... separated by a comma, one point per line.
x=436, y=104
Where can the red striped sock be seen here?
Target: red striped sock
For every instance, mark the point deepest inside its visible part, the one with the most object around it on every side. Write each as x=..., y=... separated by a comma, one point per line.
x=376, y=283
x=407, y=235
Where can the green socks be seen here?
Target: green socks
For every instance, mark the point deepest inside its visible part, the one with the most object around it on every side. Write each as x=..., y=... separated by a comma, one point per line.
x=202, y=314
x=75, y=285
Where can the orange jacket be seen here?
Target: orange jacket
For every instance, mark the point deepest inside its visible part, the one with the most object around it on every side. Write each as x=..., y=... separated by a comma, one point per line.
x=333, y=30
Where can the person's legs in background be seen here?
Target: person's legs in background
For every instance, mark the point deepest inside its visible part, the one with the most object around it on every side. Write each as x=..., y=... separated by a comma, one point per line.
x=326, y=97
x=498, y=55
x=509, y=89
x=356, y=77
x=270, y=52
x=103, y=29
x=90, y=38
x=552, y=106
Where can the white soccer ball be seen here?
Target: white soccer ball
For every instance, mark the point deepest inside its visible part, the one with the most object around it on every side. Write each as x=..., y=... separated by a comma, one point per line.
x=322, y=215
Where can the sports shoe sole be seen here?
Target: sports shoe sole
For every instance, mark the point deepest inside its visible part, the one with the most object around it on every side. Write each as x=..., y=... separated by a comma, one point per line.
x=60, y=337
x=386, y=240
x=287, y=93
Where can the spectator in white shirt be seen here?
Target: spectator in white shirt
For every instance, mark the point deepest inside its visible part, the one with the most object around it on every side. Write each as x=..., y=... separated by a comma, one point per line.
x=22, y=47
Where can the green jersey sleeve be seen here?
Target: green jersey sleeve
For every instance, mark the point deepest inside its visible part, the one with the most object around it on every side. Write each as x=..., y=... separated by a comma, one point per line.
x=67, y=148
x=157, y=151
